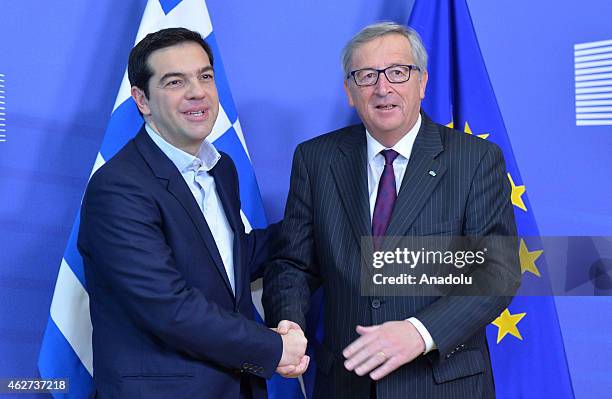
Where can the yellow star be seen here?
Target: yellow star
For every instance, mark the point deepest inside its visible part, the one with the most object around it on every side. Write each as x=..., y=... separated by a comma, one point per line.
x=506, y=324
x=468, y=130
x=528, y=259
x=516, y=195
x=450, y=124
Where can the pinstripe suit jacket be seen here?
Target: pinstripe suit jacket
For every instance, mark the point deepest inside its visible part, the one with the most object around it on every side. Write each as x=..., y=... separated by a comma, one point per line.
x=326, y=215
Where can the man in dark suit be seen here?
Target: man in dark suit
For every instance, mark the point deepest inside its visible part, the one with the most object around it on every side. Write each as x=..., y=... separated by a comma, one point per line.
x=168, y=264
x=397, y=174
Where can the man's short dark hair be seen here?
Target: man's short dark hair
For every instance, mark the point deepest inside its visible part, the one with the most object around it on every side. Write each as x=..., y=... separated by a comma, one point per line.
x=139, y=72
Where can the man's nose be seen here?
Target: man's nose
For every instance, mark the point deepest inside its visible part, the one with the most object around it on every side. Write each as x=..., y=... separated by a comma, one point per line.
x=383, y=86
x=196, y=89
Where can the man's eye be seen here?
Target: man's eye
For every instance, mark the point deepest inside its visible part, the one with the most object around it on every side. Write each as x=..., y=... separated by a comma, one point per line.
x=174, y=83
x=207, y=76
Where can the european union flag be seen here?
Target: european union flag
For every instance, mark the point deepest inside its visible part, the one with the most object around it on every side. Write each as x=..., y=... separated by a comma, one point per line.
x=525, y=341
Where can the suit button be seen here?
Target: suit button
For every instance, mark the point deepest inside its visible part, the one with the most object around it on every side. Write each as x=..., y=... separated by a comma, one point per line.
x=375, y=303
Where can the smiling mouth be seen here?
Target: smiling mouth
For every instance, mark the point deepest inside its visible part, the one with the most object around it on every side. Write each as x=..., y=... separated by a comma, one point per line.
x=386, y=106
x=197, y=116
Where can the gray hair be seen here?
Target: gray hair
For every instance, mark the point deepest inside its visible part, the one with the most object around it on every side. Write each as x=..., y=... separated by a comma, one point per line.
x=374, y=31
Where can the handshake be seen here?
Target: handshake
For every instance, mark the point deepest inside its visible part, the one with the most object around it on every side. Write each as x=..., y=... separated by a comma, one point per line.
x=294, y=360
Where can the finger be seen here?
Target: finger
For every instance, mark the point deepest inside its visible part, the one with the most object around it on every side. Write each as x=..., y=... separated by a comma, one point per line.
x=283, y=327
x=290, y=368
x=358, y=344
x=386, y=368
x=361, y=330
x=283, y=370
x=371, y=363
x=307, y=363
x=362, y=355
x=301, y=368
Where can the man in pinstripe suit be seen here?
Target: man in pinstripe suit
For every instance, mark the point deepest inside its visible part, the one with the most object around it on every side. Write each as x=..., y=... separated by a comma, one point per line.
x=397, y=174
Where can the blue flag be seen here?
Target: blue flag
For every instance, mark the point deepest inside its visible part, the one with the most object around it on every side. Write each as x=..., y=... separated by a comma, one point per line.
x=525, y=340
x=66, y=350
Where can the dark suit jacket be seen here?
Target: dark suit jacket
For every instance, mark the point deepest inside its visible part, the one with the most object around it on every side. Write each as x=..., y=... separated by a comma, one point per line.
x=165, y=321
x=327, y=213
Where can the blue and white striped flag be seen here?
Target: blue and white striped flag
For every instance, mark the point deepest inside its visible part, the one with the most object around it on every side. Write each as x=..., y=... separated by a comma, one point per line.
x=66, y=351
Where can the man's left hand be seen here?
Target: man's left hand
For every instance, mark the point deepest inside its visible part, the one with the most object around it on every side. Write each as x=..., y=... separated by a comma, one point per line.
x=383, y=348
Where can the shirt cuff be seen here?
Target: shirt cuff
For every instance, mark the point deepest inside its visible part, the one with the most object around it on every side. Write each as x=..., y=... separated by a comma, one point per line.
x=429, y=342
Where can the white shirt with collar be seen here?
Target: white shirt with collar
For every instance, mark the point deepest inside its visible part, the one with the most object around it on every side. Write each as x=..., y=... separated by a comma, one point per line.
x=195, y=171
x=376, y=164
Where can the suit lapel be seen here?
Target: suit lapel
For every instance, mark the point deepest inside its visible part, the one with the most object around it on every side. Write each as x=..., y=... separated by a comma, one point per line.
x=165, y=170
x=350, y=174
x=224, y=190
x=423, y=174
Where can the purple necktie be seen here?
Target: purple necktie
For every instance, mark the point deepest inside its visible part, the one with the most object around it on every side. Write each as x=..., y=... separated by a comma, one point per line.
x=385, y=198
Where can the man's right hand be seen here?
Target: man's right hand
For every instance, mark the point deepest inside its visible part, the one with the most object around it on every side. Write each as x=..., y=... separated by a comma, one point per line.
x=293, y=361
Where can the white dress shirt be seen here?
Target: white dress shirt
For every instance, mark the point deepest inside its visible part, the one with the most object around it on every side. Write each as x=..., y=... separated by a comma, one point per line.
x=202, y=185
x=376, y=164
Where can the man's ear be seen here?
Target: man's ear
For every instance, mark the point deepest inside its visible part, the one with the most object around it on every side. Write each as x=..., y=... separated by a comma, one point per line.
x=423, y=84
x=141, y=100
x=347, y=90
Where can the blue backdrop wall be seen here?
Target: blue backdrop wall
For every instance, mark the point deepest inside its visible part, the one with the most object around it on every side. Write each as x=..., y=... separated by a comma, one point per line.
x=62, y=64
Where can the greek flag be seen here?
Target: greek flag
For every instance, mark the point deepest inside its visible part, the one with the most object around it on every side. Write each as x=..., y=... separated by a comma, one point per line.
x=66, y=350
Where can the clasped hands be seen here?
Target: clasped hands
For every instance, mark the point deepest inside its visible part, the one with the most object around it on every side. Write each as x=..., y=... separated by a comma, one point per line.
x=294, y=360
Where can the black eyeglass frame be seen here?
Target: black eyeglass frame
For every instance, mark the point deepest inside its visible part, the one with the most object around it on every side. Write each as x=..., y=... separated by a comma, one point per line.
x=384, y=71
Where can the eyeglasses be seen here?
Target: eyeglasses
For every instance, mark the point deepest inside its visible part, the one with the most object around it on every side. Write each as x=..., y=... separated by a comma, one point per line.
x=394, y=74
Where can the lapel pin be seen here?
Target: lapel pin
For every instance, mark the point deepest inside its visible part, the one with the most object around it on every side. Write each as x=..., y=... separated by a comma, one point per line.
x=432, y=173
